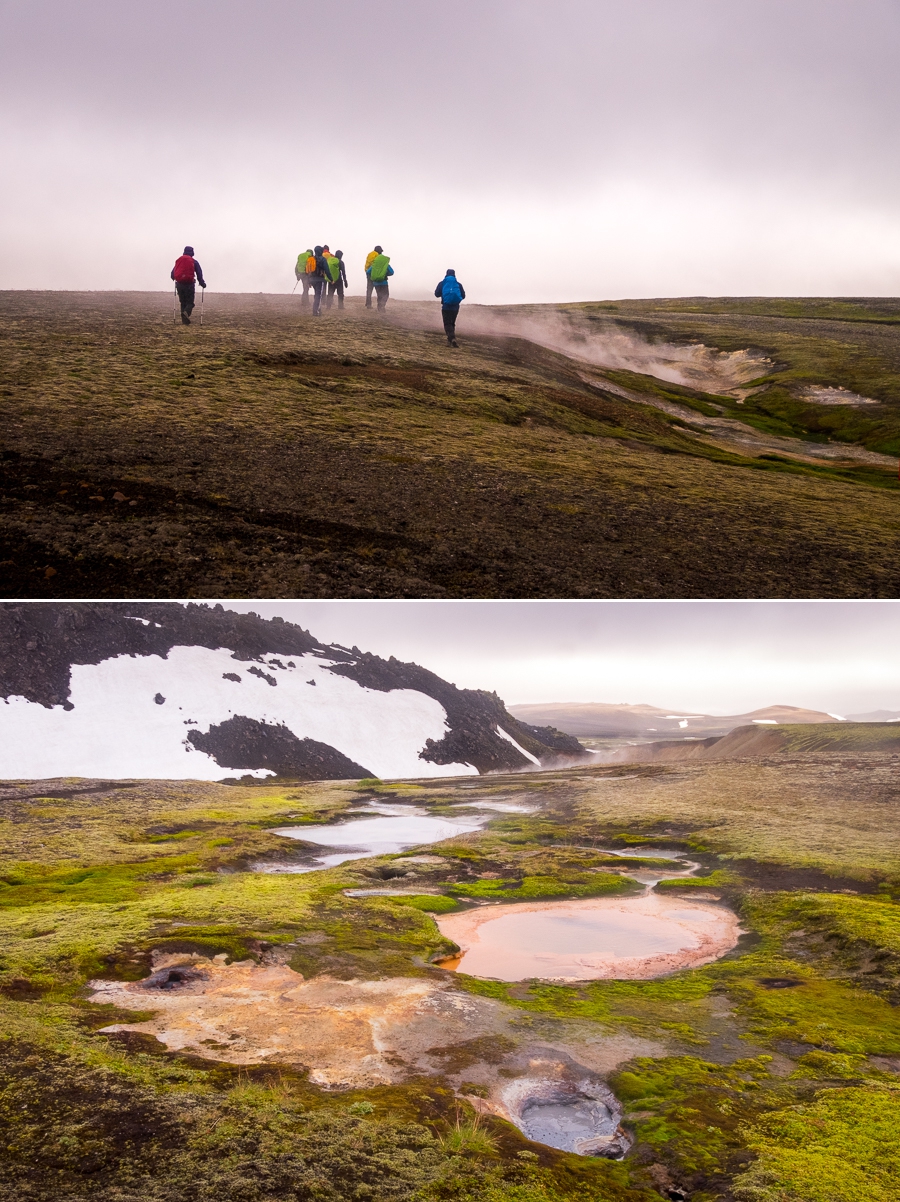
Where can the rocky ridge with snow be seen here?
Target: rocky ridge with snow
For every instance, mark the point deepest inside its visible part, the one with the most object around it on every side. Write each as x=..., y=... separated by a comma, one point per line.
x=123, y=690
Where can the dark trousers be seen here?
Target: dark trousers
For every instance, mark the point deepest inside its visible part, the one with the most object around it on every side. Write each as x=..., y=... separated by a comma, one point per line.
x=382, y=293
x=305, y=281
x=318, y=286
x=337, y=287
x=186, y=296
x=369, y=287
x=450, y=314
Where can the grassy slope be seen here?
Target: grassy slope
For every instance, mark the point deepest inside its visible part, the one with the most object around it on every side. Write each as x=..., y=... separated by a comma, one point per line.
x=92, y=880
x=271, y=455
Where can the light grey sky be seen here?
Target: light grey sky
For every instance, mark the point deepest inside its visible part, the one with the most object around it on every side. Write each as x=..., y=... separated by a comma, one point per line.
x=548, y=149
x=720, y=657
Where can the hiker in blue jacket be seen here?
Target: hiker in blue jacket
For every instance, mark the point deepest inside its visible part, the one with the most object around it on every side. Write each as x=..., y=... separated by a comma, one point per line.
x=450, y=292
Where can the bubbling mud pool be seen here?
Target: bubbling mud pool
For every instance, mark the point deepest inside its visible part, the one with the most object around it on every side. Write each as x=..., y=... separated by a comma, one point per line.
x=627, y=939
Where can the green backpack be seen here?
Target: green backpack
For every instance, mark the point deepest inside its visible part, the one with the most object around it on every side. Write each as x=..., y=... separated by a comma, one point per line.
x=378, y=270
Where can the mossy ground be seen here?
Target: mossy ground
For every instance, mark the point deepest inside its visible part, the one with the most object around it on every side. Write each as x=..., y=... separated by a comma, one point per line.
x=270, y=455
x=781, y=1079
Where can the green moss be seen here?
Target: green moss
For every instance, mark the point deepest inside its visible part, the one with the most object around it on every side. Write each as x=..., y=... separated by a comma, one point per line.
x=718, y=879
x=433, y=903
x=842, y=1147
x=529, y=888
x=690, y=1112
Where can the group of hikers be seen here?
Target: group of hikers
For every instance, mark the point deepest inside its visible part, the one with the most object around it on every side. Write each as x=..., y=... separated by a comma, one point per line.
x=325, y=276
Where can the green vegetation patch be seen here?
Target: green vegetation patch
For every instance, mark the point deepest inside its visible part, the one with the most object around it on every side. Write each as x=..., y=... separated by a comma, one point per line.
x=843, y=1146
x=530, y=888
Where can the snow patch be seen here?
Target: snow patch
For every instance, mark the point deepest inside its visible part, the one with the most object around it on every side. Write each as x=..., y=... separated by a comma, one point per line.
x=503, y=735
x=116, y=729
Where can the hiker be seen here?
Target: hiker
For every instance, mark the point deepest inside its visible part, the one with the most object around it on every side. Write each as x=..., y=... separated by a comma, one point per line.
x=378, y=271
x=370, y=259
x=183, y=275
x=317, y=273
x=302, y=277
x=450, y=292
x=338, y=281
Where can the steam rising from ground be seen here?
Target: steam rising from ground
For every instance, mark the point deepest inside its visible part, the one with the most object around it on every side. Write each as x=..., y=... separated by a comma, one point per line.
x=606, y=344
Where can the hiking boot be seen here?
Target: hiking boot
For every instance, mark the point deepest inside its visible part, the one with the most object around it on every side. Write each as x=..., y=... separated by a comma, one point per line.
x=185, y=320
x=453, y=342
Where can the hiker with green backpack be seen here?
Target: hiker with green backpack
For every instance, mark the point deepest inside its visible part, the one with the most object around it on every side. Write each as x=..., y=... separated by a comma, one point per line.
x=378, y=271
x=338, y=278
x=302, y=278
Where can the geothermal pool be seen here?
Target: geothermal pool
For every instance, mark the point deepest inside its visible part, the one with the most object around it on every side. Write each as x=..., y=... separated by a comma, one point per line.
x=628, y=938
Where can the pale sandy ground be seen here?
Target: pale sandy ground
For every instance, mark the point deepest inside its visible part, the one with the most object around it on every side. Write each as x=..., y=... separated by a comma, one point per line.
x=348, y=1033
x=492, y=945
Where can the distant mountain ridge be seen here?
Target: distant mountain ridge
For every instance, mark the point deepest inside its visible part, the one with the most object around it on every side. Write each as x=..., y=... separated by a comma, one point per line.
x=163, y=689
x=596, y=720
x=763, y=741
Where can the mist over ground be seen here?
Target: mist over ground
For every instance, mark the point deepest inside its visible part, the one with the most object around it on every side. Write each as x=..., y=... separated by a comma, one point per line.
x=548, y=152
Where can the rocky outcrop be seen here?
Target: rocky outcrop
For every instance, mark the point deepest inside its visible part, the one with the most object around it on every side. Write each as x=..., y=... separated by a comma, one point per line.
x=245, y=743
x=474, y=716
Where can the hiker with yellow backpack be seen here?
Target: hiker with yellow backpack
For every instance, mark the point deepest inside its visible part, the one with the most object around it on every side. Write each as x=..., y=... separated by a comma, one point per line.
x=370, y=259
x=378, y=271
x=302, y=278
x=338, y=278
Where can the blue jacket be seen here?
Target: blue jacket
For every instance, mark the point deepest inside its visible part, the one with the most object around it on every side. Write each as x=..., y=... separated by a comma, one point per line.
x=439, y=291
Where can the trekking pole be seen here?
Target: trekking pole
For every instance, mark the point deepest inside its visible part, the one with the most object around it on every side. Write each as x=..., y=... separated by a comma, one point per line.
x=175, y=306
x=202, y=294
x=294, y=289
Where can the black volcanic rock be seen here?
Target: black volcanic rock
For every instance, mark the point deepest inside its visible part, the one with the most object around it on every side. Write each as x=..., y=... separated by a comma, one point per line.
x=245, y=743
x=40, y=641
x=472, y=714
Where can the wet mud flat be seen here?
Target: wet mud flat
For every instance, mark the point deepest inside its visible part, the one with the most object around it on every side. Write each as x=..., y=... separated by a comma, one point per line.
x=269, y=455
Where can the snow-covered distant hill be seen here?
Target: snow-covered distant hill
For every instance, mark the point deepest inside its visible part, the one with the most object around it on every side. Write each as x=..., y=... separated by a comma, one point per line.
x=165, y=690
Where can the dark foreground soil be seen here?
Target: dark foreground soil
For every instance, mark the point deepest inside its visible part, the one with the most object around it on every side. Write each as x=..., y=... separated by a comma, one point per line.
x=268, y=454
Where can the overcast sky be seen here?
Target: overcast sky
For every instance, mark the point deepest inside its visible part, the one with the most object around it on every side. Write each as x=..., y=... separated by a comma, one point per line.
x=719, y=657
x=548, y=149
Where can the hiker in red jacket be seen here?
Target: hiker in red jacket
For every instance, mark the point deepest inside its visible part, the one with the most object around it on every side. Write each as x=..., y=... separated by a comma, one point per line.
x=183, y=275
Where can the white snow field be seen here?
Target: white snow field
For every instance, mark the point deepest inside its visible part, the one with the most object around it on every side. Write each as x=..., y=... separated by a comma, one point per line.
x=117, y=730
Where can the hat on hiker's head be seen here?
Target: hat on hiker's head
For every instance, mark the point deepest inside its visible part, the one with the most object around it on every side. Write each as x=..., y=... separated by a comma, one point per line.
x=339, y=254
x=380, y=249
x=317, y=250
x=188, y=250
x=450, y=271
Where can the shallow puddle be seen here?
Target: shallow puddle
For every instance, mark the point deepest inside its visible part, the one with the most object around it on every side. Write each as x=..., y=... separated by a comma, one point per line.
x=395, y=829
x=632, y=938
